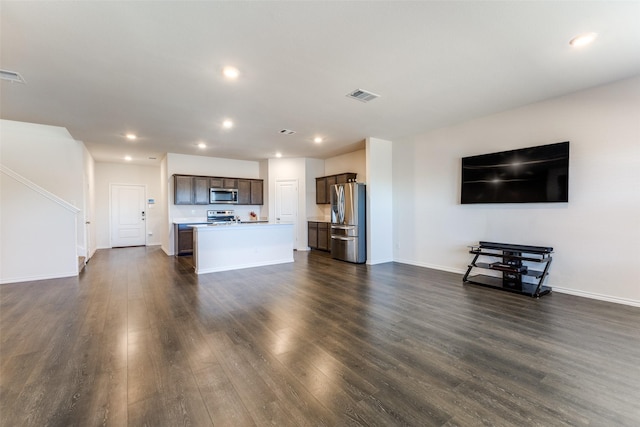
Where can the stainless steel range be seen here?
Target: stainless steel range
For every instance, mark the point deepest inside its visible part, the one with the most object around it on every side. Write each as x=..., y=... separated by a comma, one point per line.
x=221, y=217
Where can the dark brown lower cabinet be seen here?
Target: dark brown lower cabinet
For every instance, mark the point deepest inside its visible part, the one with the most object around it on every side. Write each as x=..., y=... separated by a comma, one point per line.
x=319, y=236
x=323, y=236
x=183, y=239
x=312, y=234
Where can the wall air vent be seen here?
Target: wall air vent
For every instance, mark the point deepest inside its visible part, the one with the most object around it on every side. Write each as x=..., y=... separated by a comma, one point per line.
x=287, y=132
x=362, y=95
x=11, y=76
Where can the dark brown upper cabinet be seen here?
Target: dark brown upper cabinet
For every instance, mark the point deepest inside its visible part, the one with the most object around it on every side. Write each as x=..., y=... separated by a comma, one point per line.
x=324, y=183
x=190, y=190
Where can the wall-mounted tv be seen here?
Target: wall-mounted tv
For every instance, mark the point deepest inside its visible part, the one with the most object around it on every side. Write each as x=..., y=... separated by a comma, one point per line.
x=527, y=175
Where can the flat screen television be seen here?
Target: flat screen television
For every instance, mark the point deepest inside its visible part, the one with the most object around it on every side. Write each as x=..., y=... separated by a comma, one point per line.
x=527, y=175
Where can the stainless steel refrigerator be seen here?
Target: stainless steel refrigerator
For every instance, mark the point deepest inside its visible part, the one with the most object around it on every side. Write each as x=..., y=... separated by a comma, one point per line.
x=348, y=230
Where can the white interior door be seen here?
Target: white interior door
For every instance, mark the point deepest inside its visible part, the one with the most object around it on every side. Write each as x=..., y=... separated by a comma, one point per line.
x=128, y=215
x=287, y=205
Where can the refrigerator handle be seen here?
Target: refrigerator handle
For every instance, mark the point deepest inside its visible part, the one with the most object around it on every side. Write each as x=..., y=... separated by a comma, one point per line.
x=342, y=238
x=340, y=203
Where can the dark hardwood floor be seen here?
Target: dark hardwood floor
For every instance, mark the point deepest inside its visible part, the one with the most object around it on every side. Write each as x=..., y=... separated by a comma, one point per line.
x=140, y=340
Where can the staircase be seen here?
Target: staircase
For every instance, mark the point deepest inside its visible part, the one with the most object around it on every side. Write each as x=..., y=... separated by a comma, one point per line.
x=48, y=250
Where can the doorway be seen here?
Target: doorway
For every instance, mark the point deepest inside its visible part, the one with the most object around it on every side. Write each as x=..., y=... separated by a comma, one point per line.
x=128, y=215
x=287, y=205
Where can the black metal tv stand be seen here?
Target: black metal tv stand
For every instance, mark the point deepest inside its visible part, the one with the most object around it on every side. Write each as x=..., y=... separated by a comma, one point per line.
x=511, y=264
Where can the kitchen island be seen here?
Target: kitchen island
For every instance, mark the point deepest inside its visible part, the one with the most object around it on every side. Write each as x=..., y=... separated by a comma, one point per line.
x=241, y=245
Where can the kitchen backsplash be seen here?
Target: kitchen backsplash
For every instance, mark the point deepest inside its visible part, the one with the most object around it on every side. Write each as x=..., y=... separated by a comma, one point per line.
x=200, y=211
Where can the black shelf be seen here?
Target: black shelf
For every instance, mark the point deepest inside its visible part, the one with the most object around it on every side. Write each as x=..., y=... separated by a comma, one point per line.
x=530, y=289
x=540, y=258
x=491, y=266
x=510, y=264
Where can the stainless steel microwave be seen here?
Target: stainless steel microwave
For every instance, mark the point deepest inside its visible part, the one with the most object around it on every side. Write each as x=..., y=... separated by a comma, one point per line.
x=224, y=195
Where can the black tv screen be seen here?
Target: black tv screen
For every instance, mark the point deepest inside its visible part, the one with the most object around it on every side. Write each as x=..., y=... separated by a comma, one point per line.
x=527, y=175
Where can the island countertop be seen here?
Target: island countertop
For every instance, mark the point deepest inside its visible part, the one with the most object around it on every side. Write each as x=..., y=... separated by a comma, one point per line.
x=189, y=221
x=241, y=224
x=200, y=221
x=224, y=247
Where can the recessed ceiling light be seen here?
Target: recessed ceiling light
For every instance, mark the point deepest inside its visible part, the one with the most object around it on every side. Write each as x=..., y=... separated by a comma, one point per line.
x=131, y=136
x=317, y=140
x=230, y=72
x=278, y=155
x=127, y=158
x=583, y=39
x=227, y=124
x=202, y=145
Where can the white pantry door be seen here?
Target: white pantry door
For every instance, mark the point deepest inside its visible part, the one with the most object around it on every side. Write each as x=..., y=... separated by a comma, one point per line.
x=287, y=205
x=128, y=215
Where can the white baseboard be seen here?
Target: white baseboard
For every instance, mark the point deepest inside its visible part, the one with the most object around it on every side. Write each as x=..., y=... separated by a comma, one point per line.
x=433, y=266
x=34, y=278
x=146, y=244
x=379, y=261
x=560, y=290
x=592, y=295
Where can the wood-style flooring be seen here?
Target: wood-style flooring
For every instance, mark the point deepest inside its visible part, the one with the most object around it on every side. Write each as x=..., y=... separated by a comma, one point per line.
x=139, y=340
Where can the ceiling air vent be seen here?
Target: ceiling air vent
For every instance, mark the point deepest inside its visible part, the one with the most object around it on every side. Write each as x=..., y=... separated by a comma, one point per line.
x=287, y=132
x=11, y=76
x=362, y=95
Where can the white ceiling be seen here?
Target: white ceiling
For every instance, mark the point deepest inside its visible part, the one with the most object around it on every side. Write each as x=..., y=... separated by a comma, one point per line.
x=102, y=69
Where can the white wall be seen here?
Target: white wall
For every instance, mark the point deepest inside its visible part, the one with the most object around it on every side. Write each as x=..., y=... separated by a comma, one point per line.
x=263, y=167
x=355, y=161
x=37, y=234
x=89, y=205
x=379, y=195
x=315, y=169
x=49, y=157
x=46, y=155
x=166, y=226
x=212, y=166
x=595, y=235
x=41, y=229
x=183, y=164
x=120, y=173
